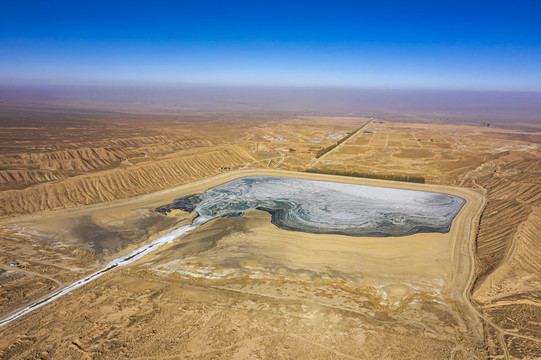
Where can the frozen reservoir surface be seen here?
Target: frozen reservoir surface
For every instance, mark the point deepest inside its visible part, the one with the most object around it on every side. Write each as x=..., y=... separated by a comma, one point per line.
x=326, y=207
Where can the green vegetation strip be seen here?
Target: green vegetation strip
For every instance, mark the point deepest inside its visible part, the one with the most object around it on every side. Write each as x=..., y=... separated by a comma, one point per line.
x=406, y=178
x=323, y=151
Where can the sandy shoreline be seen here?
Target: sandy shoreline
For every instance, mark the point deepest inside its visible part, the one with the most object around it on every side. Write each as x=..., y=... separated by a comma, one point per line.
x=457, y=243
x=452, y=250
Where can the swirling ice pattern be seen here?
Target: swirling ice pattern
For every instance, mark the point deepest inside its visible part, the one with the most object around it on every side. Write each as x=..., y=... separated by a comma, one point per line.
x=326, y=207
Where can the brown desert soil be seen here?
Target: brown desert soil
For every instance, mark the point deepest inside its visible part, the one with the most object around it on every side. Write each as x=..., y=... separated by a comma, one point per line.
x=241, y=288
x=384, y=281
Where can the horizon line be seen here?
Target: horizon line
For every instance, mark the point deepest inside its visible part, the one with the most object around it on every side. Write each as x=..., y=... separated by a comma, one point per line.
x=22, y=82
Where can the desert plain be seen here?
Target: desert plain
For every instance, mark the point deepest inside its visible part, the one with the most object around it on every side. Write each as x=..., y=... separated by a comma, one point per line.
x=80, y=190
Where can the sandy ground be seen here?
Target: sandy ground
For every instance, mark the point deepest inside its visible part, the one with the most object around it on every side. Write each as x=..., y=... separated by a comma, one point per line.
x=413, y=283
x=61, y=163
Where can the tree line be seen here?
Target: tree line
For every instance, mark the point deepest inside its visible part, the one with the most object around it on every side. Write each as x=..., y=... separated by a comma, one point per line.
x=406, y=178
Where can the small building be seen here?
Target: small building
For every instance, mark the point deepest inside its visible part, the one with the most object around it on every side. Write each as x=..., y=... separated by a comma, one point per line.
x=14, y=264
x=368, y=132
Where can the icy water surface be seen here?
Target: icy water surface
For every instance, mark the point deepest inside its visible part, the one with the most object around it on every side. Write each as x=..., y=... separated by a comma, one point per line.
x=326, y=207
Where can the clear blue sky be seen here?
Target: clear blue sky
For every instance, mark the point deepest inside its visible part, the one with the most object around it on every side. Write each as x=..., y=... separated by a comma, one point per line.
x=477, y=45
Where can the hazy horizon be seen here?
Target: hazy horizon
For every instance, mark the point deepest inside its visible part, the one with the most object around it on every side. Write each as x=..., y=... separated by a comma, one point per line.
x=422, y=105
x=486, y=45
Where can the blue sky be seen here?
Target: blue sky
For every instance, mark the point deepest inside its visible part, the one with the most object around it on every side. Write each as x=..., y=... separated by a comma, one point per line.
x=473, y=45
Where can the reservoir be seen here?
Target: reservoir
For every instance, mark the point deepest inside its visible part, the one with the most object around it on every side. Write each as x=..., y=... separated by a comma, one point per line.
x=311, y=206
x=326, y=207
